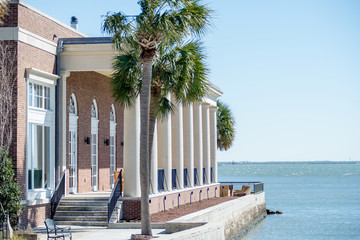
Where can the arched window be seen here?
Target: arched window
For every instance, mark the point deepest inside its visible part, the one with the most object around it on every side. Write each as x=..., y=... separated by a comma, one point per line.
x=73, y=105
x=112, y=145
x=73, y=119
x=94, y=146
x=94, y=113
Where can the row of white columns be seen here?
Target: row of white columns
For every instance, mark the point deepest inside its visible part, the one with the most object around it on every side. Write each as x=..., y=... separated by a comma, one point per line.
x=186, y=139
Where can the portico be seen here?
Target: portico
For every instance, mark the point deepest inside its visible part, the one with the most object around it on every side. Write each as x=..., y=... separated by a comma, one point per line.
x=184, y=145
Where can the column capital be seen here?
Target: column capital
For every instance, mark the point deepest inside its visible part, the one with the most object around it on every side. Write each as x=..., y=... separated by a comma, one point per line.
x=213, y=108
x=64, y=73
x=205, y=104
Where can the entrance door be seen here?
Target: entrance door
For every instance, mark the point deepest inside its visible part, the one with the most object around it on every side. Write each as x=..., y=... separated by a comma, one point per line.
x=73, y=162
x=94, y=162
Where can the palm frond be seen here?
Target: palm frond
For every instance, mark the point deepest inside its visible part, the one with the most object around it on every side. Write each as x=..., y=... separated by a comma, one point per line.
x=126, y=79
x=225, y=126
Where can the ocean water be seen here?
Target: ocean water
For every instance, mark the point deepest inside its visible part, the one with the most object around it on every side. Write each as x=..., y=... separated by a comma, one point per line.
x=319, y=201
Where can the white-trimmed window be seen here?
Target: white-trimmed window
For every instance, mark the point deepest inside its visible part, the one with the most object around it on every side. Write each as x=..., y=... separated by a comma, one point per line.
x=94, y=146
x=38, y=168
x=40, y=147
x=112, y=145
x=39, y=96
x=73, y=119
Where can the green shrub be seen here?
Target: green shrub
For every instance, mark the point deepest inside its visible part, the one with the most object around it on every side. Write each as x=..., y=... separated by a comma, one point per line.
x=9, y=189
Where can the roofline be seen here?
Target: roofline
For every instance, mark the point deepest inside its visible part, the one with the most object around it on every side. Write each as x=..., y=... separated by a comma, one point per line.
x=47, y=16
x=215, y=89
x=87, y=40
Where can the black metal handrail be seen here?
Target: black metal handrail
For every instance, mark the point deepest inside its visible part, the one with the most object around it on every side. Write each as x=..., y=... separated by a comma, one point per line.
x=57, y=195
x=116, y=193
x=256, y=187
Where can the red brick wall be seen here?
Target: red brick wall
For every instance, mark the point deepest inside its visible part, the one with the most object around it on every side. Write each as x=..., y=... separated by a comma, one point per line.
x=35, y=215
x=26, y=18
x=30, y=57
x=131, y=210
x=86, y=87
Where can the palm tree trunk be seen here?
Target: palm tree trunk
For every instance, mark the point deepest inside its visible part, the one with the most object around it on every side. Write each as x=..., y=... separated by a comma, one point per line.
x=144, y=142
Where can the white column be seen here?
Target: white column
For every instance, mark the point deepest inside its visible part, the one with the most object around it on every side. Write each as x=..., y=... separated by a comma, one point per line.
x=62, y=123
x=206, y=140
x=132, y=150
x=178, y=144
x=213, y=141
x=154, y=162
x=198, y=145
x=164, y=150
x=189, y=142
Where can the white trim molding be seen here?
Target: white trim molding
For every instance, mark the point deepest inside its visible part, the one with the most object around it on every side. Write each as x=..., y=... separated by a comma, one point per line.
x=41, y=76
x=22, y=35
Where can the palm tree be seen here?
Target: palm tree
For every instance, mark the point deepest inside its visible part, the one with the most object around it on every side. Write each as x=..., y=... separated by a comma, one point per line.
x=160, y=21
x=179, y=69
x=225, y=126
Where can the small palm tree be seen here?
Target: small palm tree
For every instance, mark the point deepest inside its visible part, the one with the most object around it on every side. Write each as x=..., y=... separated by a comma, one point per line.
x=225, y=126
x=160, y=21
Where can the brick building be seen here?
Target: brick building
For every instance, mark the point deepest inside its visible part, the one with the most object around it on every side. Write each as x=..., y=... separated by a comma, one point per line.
x=66, y=121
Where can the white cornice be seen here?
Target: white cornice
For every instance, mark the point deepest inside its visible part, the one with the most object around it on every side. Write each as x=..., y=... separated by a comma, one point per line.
x=41, y=76
x=22, y=35
x=212, y=95
x=214, y=90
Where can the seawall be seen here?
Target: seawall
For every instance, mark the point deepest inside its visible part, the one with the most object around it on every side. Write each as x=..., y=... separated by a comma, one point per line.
x=224, y=221
x=228, y=220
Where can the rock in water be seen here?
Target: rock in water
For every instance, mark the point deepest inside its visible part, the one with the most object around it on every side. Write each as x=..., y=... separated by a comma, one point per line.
x=269, y=212
x=279, y=212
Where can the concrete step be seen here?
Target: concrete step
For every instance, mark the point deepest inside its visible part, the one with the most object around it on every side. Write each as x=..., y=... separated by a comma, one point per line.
x=81, y=223
x=82, y=203
x=84, y=198
x=81, y=213
x=82, y=208
x=81, y=218
x=90, y=209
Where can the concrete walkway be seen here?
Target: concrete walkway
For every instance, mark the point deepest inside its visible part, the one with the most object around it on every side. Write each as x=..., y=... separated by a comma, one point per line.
x=96, y=233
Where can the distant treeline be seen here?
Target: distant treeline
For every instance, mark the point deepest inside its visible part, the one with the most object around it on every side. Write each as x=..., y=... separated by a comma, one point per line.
x=290, y=162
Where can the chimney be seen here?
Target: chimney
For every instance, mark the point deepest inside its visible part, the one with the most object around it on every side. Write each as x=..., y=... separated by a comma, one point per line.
x=74, y=22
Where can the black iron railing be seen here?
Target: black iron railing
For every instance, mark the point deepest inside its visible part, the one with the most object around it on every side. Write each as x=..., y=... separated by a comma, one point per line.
x=116, y=193
x=256, y=187
x=59, y=192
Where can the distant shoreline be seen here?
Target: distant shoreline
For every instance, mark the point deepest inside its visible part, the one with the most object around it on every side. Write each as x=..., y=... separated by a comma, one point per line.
x=290, y=162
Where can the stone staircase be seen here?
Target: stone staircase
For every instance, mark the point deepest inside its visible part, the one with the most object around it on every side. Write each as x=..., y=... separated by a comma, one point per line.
x=90, y=209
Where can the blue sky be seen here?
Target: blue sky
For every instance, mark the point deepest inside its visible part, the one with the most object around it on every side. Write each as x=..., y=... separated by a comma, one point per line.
x=290, y=72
